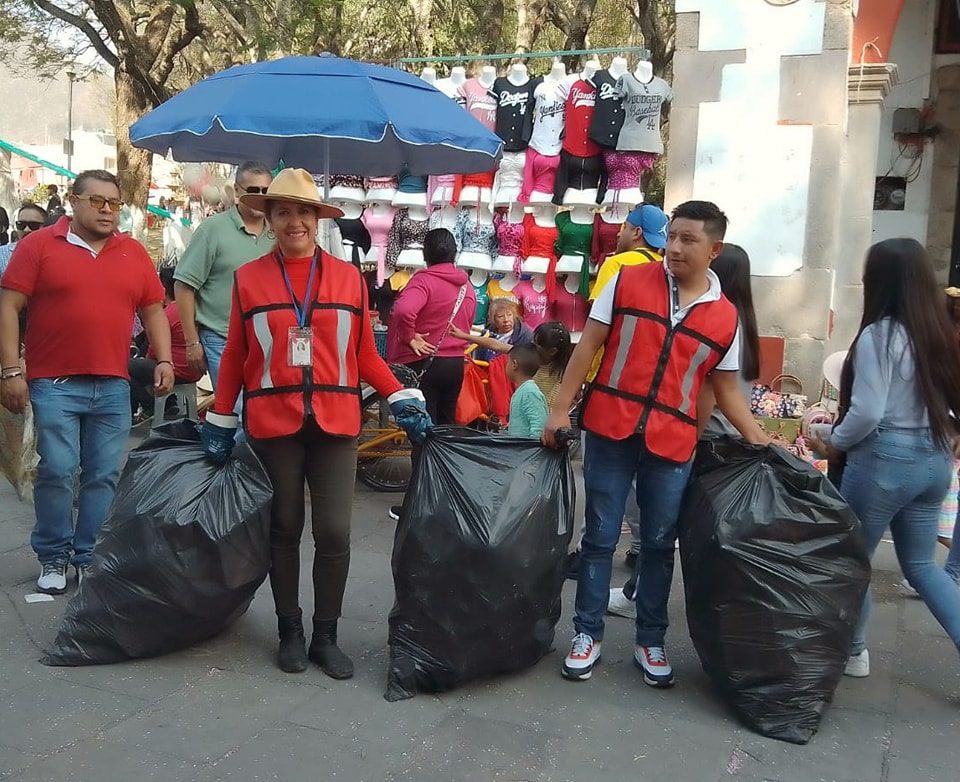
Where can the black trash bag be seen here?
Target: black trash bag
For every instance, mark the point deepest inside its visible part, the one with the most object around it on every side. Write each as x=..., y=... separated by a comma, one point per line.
x=179, y=558
x=478, y=560
x=774, y=571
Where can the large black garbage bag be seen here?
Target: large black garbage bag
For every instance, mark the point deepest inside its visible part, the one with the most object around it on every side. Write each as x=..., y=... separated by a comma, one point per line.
x=774, y=570
x=178, y=559
x=478, y=560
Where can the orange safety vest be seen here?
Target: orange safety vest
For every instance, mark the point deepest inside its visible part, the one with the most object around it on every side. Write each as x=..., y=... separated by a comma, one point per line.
x=652, y=371
x=278, y=398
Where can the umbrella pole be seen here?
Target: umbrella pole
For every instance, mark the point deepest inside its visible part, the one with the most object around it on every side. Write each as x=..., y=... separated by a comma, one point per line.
x=326, y=169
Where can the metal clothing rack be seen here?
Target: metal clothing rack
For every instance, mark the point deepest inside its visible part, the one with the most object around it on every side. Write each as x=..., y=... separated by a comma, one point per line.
x=642, y=50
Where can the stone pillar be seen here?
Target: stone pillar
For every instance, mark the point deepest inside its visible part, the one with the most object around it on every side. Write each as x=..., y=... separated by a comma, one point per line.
x=946, y=170
x=868, y=86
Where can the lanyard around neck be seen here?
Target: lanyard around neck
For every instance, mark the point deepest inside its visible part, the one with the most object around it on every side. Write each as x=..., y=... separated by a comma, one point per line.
x=302, y=310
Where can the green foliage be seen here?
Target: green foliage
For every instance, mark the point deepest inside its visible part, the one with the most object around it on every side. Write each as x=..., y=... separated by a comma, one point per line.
x=37, y=196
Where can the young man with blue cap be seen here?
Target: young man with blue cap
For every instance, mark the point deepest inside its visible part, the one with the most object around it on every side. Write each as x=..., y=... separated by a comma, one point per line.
x=665, y=328
x=642, y=239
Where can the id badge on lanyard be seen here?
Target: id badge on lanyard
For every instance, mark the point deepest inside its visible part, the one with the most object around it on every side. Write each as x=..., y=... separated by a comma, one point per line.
x=300, y=337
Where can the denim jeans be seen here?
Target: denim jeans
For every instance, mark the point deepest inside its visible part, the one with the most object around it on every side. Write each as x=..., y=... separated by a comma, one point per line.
x=83, y=422
x=953, y=558
x=213, y=345
x=609, y=468
x=897, y=478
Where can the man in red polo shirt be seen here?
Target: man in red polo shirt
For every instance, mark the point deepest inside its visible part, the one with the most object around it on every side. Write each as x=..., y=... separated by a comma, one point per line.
x=83, y=282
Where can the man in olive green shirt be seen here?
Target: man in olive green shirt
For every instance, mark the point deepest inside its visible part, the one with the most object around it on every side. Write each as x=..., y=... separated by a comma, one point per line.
x=204, y=276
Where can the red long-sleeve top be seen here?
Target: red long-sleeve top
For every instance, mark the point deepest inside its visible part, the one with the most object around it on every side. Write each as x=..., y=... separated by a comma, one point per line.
x=373, y=369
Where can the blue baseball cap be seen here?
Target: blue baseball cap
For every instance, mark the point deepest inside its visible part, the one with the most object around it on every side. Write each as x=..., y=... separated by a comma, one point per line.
x=653, y=221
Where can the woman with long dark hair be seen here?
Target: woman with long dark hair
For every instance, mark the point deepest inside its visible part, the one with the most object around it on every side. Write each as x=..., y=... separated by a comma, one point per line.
x=732, y=267
x=899, y=387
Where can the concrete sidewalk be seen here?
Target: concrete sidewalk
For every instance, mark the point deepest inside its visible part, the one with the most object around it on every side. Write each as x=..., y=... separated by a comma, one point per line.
x=223, y=711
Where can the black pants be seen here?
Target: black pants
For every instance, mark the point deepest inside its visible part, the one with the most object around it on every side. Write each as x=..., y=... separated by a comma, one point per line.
x=440, y=385
x=329, y=466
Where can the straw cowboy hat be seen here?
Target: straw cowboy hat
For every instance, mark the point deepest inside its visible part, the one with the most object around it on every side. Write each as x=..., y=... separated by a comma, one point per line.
x=291, y=184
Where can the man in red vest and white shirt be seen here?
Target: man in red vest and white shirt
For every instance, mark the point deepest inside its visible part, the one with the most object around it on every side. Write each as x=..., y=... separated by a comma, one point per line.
x=664, y=328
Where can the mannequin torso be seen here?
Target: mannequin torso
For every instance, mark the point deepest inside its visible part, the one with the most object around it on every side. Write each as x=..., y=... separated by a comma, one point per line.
x=618, y=67
x=429, y=75
x=518, y=75
x=488, y=75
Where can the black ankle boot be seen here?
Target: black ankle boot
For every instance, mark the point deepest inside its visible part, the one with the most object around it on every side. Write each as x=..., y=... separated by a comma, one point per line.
x=325, y=652
x=292, y=656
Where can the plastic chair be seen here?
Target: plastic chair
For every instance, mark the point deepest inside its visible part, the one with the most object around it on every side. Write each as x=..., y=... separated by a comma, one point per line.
x=186, y=394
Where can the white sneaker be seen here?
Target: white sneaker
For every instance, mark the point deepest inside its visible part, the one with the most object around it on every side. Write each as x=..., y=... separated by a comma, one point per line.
x=584, y=654
x=619, y=605
x=53, y=578
x=858, y=666
x=652, y=660
x=908, y=590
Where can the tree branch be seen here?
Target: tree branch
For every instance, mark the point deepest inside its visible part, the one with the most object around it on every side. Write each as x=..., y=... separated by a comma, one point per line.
x=83, y=26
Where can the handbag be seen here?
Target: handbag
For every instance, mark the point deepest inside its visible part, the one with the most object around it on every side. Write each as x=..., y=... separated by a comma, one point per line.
x=767, y=401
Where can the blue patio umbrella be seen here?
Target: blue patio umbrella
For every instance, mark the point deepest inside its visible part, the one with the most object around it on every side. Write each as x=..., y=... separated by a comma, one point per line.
x=324, y=114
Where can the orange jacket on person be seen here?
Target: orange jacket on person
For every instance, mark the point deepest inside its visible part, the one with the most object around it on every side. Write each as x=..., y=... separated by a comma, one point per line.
x=651, y=373
x=277, y=396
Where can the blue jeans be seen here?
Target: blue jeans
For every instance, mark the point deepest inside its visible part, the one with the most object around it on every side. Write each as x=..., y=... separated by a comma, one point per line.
x=82, y=422
x=897, y=478
x=952, y=565
x=609, y=468
x=213, y=345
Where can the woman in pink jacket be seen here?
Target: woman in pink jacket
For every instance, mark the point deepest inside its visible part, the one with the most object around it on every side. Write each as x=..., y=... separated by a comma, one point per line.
x=434, y=299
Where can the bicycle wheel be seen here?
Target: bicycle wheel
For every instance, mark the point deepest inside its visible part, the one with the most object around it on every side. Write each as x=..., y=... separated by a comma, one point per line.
x=383, y=450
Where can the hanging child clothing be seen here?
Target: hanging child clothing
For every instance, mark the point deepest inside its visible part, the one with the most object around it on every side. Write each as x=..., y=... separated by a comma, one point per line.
x=355, y=238
x=480, y=102
x=514, y=122
x=570, y=309
x=447, y=185
x=577, y=116
x=539, y=174
x=575, y=239
x=378, y=225
x=509, y=235
x=380, y=183
x=538, y=240
x=483, y=302
x=579, y=173
x=548, y=105
x=410, y=183
x=405, y=234
x=608, y=112
x=535, y=304
x=604, y=240
x=475, y=235
x=624, y=169
x=643, y=107
x=509, y=178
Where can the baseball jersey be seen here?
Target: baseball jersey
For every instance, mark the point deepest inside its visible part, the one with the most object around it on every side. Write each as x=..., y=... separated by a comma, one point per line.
x=642, y=105
x=608, y=112
x=549, y=100
x=577, y=115
x=480, y=102
x=514, y=122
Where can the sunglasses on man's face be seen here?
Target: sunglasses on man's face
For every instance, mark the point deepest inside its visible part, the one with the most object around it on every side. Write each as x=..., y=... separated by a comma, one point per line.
x=98, y=202
x=29, y=225
x=252, y=190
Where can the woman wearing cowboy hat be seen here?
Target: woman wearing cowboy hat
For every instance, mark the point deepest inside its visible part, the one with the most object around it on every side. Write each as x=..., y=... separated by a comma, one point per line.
x=299, y=344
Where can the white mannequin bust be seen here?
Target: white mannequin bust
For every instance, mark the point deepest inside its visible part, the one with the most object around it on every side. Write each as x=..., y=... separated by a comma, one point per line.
x=628, y=196
x=581, y=215
x=478, y=277
x=515, y=213
x=380, y=208
x=545, y=215
x=429, y=75
x=590, y=67
x=616, y=213
x=458, y=75
x=473, y=195
x=538, y=282
x=618, y=67
x=418, y=213
x=480, y=215
x=411, y=258
x=509, y=281
x=445, y=217
x=351, y=209
x=519, y=75
x=557, y=73
x=644, y=72
x=488, y=75
x=572, y=283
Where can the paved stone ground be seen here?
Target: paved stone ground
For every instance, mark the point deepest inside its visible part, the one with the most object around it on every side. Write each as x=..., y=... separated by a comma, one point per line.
x=222, y=711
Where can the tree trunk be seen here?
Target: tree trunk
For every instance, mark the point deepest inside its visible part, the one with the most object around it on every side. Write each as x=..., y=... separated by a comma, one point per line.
x=422, y=27
x=530, y=18
x=133, y=164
